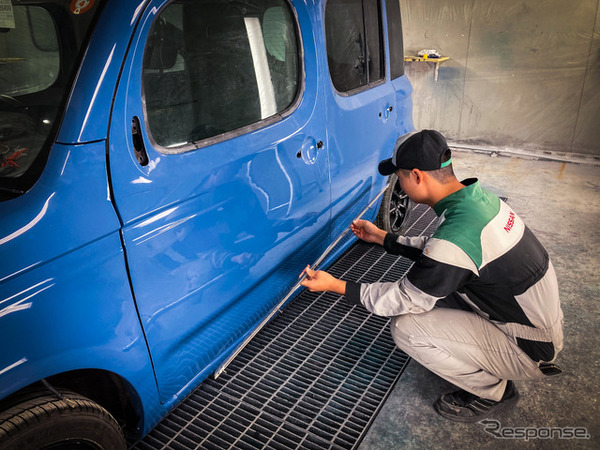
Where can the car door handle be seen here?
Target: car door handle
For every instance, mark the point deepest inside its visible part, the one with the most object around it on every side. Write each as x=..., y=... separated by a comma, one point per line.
x=386, y=112
x=309, y=150
x=138, y=142
x=319, y=146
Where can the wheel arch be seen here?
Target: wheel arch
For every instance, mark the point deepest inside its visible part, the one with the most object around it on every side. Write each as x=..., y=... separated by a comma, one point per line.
x=396, y=208
x=106, y=388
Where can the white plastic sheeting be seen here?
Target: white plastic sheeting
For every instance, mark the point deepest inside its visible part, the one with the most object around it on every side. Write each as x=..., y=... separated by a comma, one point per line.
x=522, y=73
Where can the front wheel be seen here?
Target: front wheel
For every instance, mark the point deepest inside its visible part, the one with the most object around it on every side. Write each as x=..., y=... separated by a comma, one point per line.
x=46, y=422
x=395, y=208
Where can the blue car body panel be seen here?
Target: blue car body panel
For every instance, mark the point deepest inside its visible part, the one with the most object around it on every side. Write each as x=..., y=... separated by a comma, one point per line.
x=206, y=231
x=156, y=273
x=362, y=128
x=65, y=300
x=87, y=113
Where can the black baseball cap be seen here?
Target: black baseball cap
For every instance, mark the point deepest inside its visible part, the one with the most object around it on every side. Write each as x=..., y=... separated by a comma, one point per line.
x=423, y=150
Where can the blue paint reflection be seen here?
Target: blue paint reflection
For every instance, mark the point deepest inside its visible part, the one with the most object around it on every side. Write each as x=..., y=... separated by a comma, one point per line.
x=12, y=366
x=20, y=305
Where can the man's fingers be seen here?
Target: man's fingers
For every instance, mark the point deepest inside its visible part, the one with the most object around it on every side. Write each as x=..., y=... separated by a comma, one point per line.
x=308, y=272
x=309, y=279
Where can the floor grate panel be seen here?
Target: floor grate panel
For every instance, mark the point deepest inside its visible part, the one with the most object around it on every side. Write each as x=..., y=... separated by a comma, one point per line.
x=313, y=378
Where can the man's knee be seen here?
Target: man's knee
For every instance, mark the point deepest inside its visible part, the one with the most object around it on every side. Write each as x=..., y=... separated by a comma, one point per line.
x=402, y=322
x=402, y=328
x=409, y=330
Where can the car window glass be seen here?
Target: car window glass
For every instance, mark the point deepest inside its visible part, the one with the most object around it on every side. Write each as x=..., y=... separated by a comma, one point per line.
x=214, y=67
x=29, y=57
x=373, y=33
x=29, y=63
x=354, y=43
x=395, y=38
x=40, y=48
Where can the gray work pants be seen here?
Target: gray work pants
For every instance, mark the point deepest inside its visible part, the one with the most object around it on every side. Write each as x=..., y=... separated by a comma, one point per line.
x=464, y=349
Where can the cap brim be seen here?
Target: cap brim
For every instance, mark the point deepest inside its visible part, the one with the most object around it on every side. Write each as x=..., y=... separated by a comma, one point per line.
x=387, y=167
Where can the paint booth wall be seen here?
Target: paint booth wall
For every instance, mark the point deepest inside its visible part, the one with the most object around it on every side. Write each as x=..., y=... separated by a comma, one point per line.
x=522, y=73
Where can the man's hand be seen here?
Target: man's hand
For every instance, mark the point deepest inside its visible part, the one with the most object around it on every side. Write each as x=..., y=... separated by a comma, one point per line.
x=368, y=232
x=319, y=281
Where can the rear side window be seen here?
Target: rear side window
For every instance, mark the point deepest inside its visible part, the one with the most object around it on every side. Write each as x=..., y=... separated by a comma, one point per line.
x=394, y=22
x=211, y=68
x=354, y=43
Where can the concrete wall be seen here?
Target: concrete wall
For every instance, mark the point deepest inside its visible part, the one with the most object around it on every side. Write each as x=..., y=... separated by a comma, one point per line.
x=522, y=73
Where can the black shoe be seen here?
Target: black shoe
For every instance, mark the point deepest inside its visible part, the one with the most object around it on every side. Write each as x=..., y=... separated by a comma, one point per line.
x=462, y=406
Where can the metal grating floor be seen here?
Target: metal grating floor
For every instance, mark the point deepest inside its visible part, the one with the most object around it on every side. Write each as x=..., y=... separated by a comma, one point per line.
x=313, y=378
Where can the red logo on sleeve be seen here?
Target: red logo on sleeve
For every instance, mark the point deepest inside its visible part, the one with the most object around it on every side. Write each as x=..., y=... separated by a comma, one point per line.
x=511, y=222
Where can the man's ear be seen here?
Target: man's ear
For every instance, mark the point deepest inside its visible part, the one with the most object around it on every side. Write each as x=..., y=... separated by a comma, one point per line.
x=417, y=175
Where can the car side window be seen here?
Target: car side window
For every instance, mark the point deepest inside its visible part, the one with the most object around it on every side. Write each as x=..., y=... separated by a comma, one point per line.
x=211, y=69
x=354, y=43
x=394, y=23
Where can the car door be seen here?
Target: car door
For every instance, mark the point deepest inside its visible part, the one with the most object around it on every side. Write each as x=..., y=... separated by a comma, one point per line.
x=365, y=114
x=219, y=172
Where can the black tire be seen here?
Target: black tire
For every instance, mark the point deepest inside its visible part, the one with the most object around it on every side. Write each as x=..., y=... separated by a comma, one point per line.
x=395, y=209
x=49, y=423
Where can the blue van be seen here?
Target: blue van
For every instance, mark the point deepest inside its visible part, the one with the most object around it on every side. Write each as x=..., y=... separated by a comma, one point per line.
x=167, y=169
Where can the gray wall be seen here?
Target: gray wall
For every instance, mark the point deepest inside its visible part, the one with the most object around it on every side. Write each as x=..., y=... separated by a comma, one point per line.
x=522, y=74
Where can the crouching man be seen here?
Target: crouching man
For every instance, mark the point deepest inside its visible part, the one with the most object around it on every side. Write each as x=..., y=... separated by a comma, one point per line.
x=480, y=306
